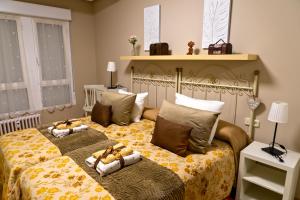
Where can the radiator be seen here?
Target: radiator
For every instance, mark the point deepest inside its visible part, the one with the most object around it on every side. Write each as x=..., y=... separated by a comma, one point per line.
x=20, y=123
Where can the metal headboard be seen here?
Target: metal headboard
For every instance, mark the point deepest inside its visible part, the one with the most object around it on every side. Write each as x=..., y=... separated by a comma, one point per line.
x=201, y=82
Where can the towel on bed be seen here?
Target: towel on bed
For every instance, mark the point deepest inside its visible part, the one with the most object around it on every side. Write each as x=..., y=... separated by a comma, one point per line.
x=64, y=132
x=105, y=169
x=68, y=124
x=101, y=152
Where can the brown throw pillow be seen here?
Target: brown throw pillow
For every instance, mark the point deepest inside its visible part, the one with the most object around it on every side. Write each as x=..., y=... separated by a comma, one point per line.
x=101, y=114
x=201, y=121
x=150, y=113
x=122, y=105
x=171, y=136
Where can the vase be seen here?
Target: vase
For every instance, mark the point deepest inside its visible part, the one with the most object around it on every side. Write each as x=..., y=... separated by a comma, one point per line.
x=133, y=51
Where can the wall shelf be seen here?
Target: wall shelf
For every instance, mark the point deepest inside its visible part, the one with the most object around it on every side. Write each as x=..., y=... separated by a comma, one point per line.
x=229, y=57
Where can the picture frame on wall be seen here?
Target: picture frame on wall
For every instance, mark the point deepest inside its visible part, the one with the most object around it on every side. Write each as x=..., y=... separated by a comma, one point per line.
x=216, y=21
x=151, y=25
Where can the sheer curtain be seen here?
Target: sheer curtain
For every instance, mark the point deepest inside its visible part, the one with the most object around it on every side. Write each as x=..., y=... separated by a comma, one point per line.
x=13, y=90
x=55, y=80
x=35, y=65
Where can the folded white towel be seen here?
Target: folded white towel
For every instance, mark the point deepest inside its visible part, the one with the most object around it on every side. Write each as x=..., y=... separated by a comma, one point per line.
x=65, y=132
x=105, y=169
x=90, y=161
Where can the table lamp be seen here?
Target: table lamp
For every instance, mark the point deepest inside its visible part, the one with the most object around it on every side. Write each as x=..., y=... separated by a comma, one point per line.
x=111, y=67
x=278, y=114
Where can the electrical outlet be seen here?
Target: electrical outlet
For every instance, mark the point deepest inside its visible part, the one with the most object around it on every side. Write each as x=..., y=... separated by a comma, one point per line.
x=256, y=122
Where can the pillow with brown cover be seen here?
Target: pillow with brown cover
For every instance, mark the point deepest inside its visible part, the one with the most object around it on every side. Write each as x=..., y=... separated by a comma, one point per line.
x=150, y=113
x=101, y=114
x=122, y=105
x=201, y=121
x=171, y=136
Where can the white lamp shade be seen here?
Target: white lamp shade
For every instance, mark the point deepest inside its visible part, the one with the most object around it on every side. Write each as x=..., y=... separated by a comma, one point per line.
x=111, y=67
x=278, y=112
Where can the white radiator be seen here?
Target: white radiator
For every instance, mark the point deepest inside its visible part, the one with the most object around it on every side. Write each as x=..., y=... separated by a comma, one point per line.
x=19, y=123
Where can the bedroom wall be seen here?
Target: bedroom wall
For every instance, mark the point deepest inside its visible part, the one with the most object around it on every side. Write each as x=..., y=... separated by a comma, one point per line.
x=82, y=30
x=268, y=28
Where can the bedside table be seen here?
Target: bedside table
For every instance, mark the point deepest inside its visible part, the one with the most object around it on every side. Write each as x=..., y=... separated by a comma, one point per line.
x=262, y=176
x=117, y=89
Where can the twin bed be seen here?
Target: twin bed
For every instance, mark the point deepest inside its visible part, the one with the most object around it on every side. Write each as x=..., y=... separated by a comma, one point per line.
x=35, y=168
x=36, y=165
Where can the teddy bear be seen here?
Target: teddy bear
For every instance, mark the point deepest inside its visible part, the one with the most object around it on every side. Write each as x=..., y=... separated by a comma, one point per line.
x=191, y=45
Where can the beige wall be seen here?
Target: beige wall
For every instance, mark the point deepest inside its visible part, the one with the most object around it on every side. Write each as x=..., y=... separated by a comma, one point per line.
x=82, y=29
x=269, y=28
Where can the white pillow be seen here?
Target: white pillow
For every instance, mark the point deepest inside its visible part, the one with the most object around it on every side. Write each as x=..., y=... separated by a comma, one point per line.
x=208, y=105
x=138, y=107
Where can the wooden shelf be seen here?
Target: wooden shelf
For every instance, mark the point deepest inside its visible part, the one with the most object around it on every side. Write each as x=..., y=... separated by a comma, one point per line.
x=254, y=192
x=273, y=180
x=232, y=57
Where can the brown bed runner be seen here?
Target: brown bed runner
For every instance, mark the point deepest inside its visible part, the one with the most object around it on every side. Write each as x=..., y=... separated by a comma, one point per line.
x=75, y=140
x=143, y=180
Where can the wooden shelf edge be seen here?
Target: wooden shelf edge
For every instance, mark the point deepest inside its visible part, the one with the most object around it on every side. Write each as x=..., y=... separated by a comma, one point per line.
x=227, y=57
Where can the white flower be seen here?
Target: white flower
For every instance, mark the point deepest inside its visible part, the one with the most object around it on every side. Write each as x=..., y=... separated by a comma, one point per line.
x=132, y=39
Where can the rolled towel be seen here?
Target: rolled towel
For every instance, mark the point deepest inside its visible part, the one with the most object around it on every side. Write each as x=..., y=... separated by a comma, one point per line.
x=105, y=169
x=90, y=161
x=100, y=153
x=69, y=124
x=65, y=132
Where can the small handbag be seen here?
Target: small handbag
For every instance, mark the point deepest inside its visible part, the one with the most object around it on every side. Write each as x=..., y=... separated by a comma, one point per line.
x=220, y=48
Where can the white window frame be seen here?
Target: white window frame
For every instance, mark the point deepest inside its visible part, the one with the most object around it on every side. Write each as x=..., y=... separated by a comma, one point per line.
x=28, y=44
x=24, y=84
x=68, y=59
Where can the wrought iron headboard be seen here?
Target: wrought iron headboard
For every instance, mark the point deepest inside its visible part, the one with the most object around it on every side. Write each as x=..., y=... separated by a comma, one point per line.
x=201, y=82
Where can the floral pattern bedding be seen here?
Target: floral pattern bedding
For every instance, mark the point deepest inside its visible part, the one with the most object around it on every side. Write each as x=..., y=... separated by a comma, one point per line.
x=206, y=177
x=18, y=151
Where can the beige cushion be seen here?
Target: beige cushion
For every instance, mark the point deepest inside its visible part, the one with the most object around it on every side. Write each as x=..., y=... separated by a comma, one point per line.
x=201, y=121
x=150, y=113
x=122, y=105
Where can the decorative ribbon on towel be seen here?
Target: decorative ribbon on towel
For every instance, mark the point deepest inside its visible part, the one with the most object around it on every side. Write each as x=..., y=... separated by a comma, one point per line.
x=67, y=122
x=111, y=150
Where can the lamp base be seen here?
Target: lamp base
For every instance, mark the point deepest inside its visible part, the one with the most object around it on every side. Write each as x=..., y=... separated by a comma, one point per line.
x=273, y=151
x=112, y=87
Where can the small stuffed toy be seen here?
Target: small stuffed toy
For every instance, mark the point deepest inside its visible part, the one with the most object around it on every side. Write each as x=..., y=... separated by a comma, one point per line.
x=191, y=50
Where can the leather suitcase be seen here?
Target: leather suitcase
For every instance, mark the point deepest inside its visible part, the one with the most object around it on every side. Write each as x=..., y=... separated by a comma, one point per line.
x=159, y=49
x=217, y=48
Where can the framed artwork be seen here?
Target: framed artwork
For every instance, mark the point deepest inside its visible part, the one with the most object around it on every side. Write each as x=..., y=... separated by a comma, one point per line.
x=216, y=21
x=151, y=26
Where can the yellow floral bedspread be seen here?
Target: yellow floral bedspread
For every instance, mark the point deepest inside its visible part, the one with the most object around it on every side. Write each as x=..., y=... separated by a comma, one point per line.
x=206, y=177
x=18, y=151
x=60, y=179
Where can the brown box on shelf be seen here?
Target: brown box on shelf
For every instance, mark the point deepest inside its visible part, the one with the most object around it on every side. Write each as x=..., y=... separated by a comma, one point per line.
x=159, y=49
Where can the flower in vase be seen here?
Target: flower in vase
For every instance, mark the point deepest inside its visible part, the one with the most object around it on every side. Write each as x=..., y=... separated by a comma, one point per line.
x=132, y=39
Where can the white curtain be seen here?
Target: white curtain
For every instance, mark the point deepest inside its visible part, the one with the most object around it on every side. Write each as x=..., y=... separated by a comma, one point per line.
x=13, y=90
x=55, y=83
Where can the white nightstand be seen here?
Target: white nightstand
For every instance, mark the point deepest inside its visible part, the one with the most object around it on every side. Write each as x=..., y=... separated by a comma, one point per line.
x=118, y=89
x=262, y=176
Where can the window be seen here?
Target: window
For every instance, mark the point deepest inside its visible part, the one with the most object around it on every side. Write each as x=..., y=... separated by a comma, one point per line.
x=55, y=74
x=13, y=89
x=35, y=64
